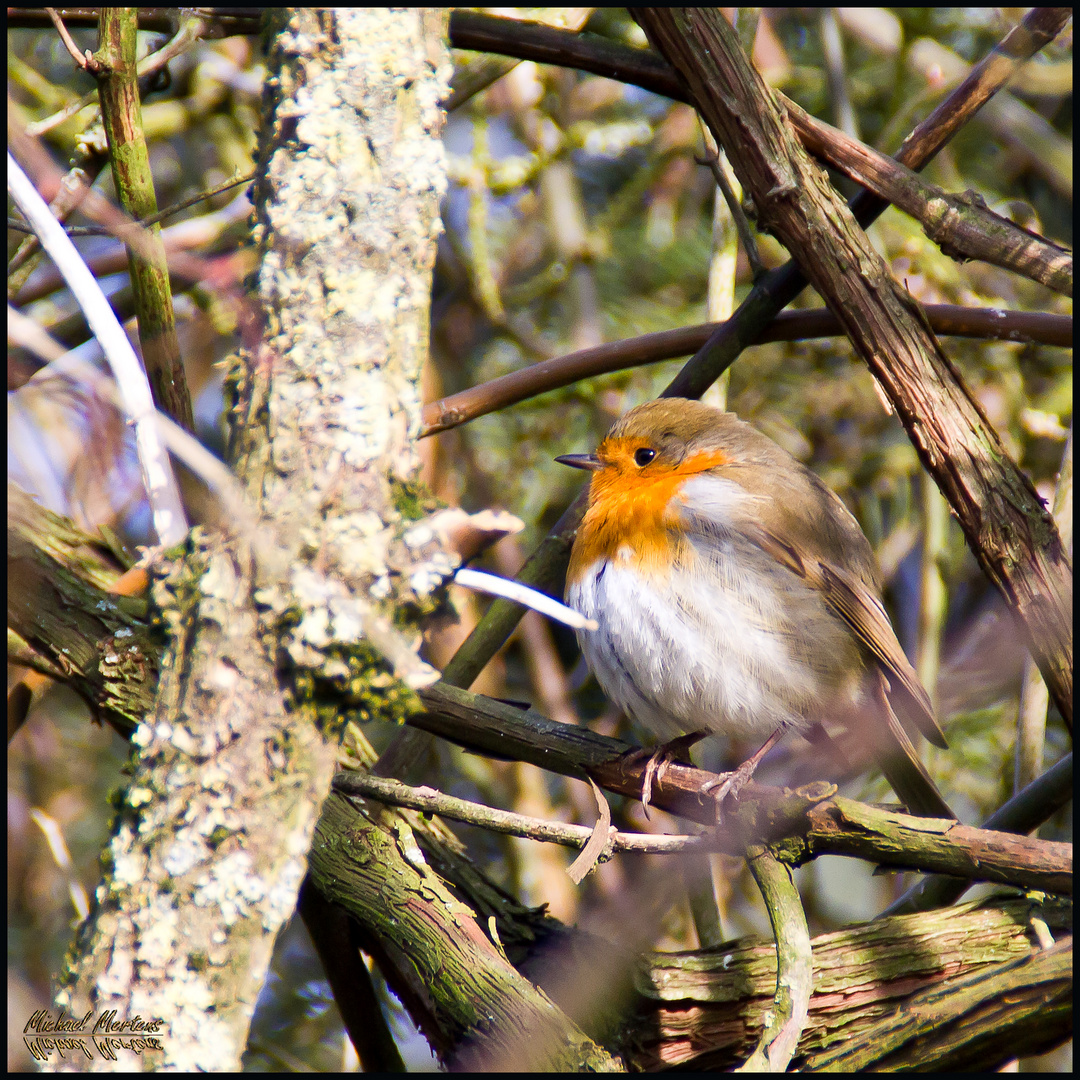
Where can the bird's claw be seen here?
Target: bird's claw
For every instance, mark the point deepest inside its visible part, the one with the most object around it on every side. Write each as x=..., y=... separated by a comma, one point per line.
x=660, y=760
x=728, y=785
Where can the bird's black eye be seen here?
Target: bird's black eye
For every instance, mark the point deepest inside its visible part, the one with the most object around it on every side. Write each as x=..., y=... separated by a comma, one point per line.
x=643, y=456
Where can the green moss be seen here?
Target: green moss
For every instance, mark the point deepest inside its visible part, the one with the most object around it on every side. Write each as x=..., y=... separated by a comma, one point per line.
x=366, y=690
x=412, y=500
x=218, y=836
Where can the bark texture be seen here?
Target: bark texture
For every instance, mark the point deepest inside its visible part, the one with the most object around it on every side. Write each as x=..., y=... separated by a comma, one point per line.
x=278, y=636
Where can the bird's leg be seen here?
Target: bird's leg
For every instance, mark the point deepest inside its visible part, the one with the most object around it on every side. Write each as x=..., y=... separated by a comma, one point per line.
x=733, y=782
x=660, y=761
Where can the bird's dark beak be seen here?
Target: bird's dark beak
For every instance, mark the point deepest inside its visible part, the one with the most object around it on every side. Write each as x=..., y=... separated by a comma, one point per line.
x=581, y=461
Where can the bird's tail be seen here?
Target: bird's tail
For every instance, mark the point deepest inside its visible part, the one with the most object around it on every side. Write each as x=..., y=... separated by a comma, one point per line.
x=899, y=761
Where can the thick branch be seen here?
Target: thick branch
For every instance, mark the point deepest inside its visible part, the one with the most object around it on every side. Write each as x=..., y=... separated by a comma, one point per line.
x=809, y=820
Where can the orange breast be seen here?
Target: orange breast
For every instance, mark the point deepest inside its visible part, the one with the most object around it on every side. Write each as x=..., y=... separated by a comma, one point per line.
x=631, y=517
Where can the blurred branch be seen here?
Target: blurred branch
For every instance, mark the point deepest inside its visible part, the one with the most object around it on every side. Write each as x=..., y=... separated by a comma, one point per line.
x=49, y=180
x=1034, y=697
x=947, y=319
x=832, y=48
x=90, y=160
x=63, y=365
x=333, y=936
x=190, y=30
x=960, y=226
x=152, y=219
x=161, y=489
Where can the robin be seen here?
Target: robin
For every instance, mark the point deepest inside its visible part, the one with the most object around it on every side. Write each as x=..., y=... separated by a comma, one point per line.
x=736, y=594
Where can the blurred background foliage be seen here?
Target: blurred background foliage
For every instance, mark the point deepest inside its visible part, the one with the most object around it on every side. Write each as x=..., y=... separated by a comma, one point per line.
x=577, y=214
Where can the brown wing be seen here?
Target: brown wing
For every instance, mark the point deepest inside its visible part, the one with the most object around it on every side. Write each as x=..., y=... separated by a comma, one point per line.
x=862, y=611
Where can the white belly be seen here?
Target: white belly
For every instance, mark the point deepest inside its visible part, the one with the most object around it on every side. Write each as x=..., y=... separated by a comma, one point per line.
x=738, y=655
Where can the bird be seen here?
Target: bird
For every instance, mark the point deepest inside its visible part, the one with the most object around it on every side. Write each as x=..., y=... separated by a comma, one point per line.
x=735, y=593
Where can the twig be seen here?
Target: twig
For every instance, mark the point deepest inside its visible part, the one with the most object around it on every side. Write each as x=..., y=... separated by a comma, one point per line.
x=153, y=219
x=712, y=161
x=166, y=507
x=429, y=801
x=522, y=594
x=190, y=31
x=962, y=226
x=1034, y=697
x=85, y=60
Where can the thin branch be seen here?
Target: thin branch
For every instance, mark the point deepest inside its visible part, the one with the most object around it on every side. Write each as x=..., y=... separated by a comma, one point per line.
x=191, y=30
x=1034, y=697
x=522, y=594
x=153, y=219
x=962, y=226
x=429, y=801
x=945, y=319
x=812, y=820
x=742, y=226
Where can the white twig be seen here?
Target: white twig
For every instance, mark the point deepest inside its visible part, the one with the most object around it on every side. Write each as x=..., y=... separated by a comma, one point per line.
x=161, y=490
x=522, y=594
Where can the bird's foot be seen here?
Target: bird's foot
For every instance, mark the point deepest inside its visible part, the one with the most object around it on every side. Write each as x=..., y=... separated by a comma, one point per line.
x=728, y=785
x=660, y=760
